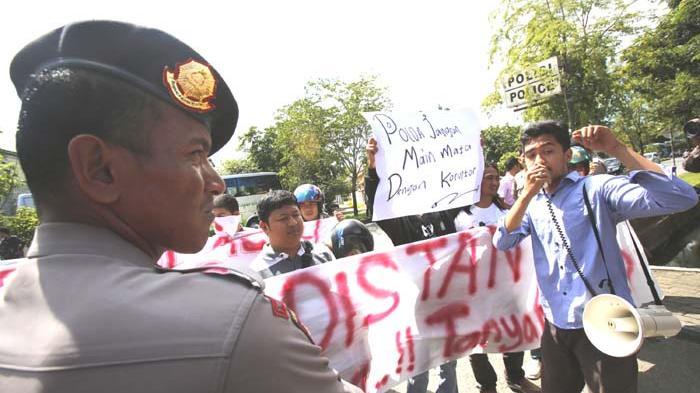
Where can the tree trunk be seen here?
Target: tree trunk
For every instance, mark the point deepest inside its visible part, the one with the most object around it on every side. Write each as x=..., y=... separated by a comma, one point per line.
x=354, y=193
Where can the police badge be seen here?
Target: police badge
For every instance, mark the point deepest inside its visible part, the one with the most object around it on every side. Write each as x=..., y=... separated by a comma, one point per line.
x=192, y=84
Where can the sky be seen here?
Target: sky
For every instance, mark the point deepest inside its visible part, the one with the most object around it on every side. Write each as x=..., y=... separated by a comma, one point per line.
x=425, y=53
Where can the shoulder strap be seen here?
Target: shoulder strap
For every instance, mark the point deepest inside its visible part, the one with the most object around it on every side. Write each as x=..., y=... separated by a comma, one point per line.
x=591, y=217
x=236, y=275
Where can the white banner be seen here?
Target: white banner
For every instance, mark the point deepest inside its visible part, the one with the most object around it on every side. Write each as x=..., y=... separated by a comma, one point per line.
x=382, y=317
x=427, y=162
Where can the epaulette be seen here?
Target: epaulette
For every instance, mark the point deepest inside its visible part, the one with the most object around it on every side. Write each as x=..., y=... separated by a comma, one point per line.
x=221, y=271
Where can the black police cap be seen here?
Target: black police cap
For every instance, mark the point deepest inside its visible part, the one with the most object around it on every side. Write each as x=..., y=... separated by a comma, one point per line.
x=146, y=58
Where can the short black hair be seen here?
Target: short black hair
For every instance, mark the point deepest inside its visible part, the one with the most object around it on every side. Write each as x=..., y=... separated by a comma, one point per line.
x=59, y=104
x=226, y=201
x=548, y=127
x=274, y=200
x=511, y=163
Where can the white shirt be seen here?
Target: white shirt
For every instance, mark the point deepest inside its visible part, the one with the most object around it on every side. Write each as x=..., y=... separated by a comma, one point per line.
x=479, y=217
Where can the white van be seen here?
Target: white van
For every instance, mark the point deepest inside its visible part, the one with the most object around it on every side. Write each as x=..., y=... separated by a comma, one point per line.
x=653, y=156
x=25, y=200
x=249, y=188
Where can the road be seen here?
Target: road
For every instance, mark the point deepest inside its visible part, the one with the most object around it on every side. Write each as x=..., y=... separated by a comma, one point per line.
x=679, y=165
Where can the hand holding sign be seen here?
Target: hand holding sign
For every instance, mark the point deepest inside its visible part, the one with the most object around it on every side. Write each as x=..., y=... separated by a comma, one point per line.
x=372, y=152
x=427, y=162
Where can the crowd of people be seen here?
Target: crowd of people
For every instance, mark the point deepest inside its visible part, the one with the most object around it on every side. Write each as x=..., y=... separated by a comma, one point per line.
x=116, y=126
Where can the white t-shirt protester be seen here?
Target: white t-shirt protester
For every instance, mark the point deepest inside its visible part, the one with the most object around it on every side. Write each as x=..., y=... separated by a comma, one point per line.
x=478, y=217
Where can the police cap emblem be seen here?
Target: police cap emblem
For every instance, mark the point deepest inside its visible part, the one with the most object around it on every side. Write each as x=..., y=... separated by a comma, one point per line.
x=192, y=84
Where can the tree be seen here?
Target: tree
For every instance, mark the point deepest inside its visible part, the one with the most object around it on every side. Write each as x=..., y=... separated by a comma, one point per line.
x=236, y=166
x=319, y=138
x=662, y=70
x=260, y=147
x=634, y=121
x=585, y=35
x=500, y=141
x=9, y=179
x=350, y=130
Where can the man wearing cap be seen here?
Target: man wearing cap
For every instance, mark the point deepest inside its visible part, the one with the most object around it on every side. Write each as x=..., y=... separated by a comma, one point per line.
x=116, y=125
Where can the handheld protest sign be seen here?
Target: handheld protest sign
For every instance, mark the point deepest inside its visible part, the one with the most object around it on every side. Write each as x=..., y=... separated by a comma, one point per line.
x=427, y=162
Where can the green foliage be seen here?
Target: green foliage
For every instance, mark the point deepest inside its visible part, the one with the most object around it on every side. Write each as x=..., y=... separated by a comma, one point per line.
x=236, y=166
x=652, y=149
x=260, y=146
x=9, y=179
x=503, y=159
x=662, y=71
x=22, y=224
x=500, y=142
x=691, y=178
x=584, y=35
x=320, y=138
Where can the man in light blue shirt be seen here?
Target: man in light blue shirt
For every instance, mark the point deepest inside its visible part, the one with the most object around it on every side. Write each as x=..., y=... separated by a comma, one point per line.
x=568, y=262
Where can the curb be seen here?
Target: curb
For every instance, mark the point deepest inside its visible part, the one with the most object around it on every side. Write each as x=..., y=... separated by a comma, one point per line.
x=689, y=334
x=676, y=269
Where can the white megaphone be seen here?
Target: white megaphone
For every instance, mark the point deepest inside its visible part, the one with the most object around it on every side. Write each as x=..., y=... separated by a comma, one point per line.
x=618, y=329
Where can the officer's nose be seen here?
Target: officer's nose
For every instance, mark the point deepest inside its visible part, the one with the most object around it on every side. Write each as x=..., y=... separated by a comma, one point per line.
x=213, y=182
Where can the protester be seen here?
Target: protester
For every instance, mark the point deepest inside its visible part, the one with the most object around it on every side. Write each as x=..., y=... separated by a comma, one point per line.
x=410, y=229
x=580, y=160
x=487, y=211
x=691, y=162
x=281, y=220
x=568, y=262
x=337, y=211
x=507, y=188
x=11, y=247
x=225, y=205
x=598, y=167
x=115, y=128
x=311, y=200
x=351, y=237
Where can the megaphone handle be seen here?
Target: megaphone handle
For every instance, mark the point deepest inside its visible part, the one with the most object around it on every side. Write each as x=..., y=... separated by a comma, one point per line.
x=645, y=269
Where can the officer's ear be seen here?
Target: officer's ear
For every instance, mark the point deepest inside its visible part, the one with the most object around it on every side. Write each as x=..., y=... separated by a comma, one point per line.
x=91, y=161
x=264, y=226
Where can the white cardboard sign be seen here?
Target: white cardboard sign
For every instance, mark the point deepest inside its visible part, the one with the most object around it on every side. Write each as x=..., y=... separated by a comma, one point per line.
x=426, y=162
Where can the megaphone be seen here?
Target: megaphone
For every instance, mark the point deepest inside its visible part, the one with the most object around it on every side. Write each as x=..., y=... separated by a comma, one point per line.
x=618, y=329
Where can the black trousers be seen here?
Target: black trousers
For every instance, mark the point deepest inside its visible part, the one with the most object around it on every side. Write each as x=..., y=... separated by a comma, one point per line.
x=569, y=360
x=485, y=375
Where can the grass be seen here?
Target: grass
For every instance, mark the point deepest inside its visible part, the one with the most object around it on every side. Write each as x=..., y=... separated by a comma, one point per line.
x=691, y=178
x=361, y=215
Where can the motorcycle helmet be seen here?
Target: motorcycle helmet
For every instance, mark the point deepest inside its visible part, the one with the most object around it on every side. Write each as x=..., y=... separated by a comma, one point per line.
x=350, y=237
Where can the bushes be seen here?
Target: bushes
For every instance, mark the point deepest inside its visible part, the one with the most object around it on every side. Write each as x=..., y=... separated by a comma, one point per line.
x=22, y=224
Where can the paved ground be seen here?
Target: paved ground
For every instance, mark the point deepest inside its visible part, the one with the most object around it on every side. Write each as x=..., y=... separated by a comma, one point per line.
x=665, y=365
x=679, y=166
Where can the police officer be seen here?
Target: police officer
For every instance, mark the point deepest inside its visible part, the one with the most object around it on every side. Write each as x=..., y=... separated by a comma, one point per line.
x=116, y=125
